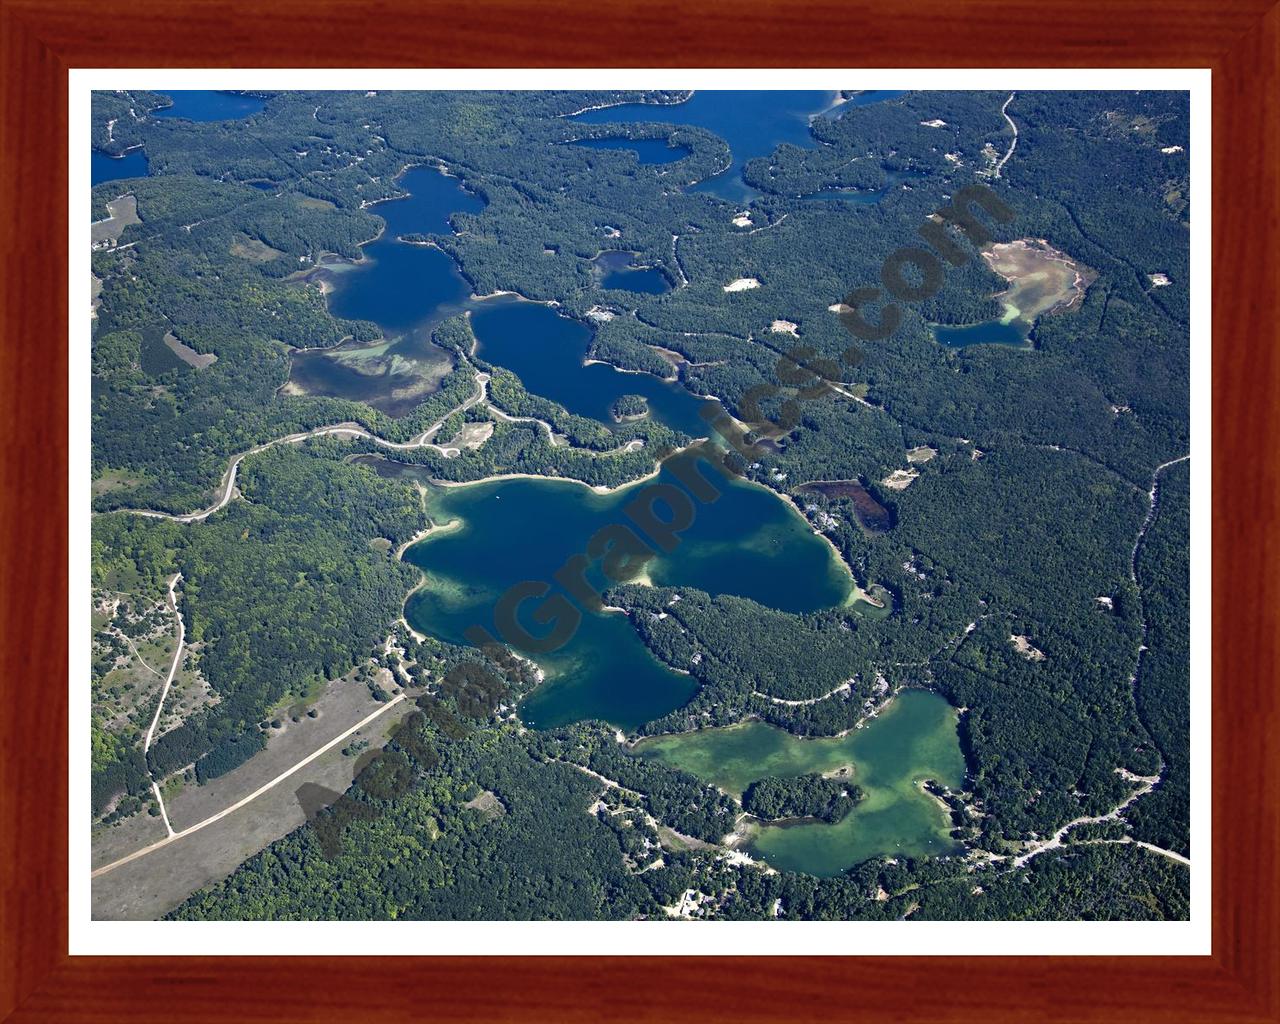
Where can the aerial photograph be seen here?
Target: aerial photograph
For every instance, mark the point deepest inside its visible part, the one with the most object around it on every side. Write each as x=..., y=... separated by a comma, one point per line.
x=626, y=505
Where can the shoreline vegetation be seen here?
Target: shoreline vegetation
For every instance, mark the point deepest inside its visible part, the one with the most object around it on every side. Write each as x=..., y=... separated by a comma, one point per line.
x=434, y=530
x=881, y=705
x=594, y=488
x=857, y=591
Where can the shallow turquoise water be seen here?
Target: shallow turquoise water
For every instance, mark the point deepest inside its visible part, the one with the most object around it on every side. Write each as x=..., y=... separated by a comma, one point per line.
x=747, y=543
x=913, y=739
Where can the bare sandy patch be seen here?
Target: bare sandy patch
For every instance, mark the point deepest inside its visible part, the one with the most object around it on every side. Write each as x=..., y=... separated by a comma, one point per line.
x=921, y=453
x=432, y=530
x=675, y=842
x=900, y=479
x=742, y=284
x=1023, y=646
x=473, y=435
x=488, y=804
x=785, y=327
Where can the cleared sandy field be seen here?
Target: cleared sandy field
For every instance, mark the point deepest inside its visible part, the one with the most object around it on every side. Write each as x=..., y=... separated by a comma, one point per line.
x=150, y=886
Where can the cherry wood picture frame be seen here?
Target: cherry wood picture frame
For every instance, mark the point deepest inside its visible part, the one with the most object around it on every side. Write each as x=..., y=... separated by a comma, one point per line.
x=41, y=39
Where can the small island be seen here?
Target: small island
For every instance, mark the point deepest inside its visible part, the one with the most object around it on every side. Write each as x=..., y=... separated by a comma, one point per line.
x=629, y=407
x=810, y=796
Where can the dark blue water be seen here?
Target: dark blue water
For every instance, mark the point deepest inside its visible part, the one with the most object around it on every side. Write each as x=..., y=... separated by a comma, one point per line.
x=866, y=197
x=400, y=285
x=192, y=105
x=405, y=289
x=993, y=332
x=545, y=350
x=616, y=271
x=746, y=542
x=753, y=123
x=209, y=105
x=650, y=151
x=105, y=168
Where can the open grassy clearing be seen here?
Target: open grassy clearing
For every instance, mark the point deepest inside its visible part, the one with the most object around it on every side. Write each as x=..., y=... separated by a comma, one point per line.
x=187, y=354
x=123, y=211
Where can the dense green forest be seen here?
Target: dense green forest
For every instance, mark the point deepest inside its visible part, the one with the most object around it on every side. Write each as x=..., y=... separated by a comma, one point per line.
x=535, y=854
x=806, y=796
x=1004, y=565
x=629, y=407
x=283, y=589
x=1163, y=691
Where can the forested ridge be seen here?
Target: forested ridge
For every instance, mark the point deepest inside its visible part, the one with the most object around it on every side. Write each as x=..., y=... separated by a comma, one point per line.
x=1018, y=531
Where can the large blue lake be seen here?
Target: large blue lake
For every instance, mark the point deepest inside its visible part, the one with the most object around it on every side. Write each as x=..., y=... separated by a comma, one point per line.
x=546, y=350
x=405, y=289
x=506, y=531
x=209, y=105
x=106, y=168
x=649, y=151
x=753, y=123
x=399, y=285
x=993, y=332
x=747, y=543
x=618, y=270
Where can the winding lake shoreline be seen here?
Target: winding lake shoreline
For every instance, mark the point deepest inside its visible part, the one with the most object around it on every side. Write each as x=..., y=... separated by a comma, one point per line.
x=746, y=544
x=913, y=739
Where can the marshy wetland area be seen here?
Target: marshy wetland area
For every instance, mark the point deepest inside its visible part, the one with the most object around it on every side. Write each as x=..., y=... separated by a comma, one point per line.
x=494, y=516
x=1042, y=281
